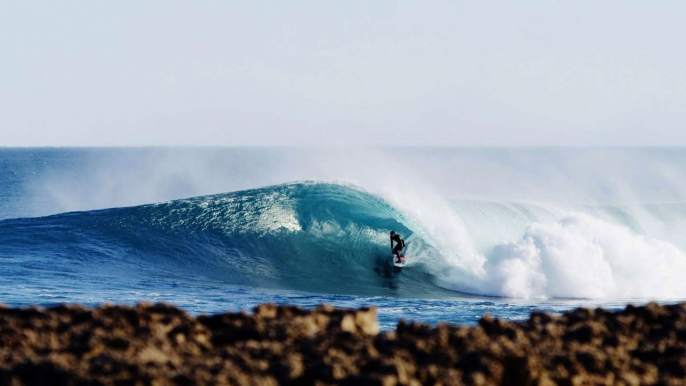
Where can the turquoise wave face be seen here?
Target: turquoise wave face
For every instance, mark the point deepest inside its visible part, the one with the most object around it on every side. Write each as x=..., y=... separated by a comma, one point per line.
x=315, y=237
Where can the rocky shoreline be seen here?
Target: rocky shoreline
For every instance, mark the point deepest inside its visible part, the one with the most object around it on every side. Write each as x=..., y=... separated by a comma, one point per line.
x=160, y=344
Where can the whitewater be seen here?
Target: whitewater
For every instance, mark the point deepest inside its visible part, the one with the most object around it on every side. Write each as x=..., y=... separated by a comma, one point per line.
x=503, y=231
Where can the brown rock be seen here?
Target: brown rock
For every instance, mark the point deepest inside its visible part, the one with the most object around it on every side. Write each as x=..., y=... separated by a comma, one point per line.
x=161, y=344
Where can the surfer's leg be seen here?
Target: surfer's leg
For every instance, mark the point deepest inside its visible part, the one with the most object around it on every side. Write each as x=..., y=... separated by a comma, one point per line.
x=396, y=252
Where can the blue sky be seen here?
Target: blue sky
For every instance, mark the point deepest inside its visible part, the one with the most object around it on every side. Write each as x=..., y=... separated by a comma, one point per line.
x=229, y=73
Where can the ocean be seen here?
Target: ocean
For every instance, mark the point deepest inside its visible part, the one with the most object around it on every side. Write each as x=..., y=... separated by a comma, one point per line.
x=503, y=231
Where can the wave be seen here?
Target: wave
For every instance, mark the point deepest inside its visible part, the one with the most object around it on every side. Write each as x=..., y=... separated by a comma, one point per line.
x=333, y=238
x=306, y=236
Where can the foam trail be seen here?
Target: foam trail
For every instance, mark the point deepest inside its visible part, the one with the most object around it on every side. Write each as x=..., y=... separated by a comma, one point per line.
x=580, y=257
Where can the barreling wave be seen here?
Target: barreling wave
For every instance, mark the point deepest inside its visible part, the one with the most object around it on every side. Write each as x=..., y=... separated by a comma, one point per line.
x=333, y=238
x=307, y=236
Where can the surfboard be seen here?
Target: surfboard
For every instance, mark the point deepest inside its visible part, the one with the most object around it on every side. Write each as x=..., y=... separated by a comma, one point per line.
x=398, y=264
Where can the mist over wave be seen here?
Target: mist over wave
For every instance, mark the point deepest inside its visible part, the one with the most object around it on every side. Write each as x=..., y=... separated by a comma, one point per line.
x=47, y=181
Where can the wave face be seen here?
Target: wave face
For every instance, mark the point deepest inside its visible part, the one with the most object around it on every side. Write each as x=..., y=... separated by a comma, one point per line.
x=333, y=238
x=305, y=236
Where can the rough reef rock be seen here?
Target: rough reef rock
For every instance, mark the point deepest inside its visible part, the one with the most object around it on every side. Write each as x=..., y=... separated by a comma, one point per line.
x=161, y=344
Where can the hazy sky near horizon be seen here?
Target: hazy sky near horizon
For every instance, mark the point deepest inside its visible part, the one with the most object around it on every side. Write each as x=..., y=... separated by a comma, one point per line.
x=229, y=73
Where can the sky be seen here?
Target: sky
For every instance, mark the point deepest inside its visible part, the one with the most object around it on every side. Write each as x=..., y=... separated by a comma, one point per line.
x=359, y=73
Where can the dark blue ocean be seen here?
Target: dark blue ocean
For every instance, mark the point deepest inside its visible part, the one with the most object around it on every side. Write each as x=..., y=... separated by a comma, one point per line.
x=501, y=231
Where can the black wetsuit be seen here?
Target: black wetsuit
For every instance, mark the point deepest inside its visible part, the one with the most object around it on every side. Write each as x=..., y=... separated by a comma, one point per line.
x=401, y=244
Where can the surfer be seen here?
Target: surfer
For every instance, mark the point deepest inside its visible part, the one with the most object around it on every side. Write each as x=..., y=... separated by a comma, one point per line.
x=397, y=251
